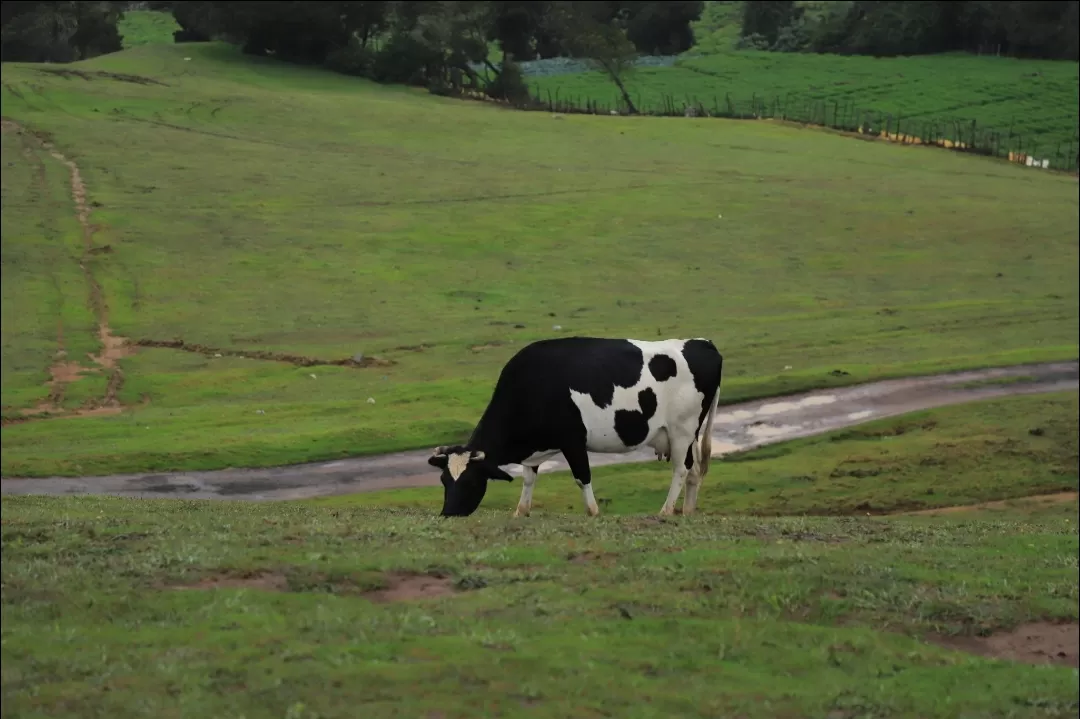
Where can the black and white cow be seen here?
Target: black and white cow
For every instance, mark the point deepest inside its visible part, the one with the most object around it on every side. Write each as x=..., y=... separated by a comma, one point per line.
x=584, y=394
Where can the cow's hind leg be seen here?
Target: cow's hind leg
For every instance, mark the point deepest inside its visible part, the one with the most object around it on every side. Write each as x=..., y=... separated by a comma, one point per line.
x=693, y=482
x=528, y=479
x=680, y=450
x=578, y=459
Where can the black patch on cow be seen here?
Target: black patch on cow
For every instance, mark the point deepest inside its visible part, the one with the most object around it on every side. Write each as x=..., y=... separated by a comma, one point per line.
x=622, y=368
x=706, y=365
x=632, y=425
x=647, y=402
x=662, y=368
x=688, y=462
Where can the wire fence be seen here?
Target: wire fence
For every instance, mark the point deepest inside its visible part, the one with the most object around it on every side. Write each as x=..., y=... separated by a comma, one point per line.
x=958, y=135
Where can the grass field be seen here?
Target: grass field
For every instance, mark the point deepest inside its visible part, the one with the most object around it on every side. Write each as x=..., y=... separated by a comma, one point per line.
x=1035, y=101
x=355, y=607
x=267, y=210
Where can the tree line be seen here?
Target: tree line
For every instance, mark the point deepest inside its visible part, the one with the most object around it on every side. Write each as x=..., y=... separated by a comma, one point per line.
x=441, y=44
x=1031, y=29
x=436, y=44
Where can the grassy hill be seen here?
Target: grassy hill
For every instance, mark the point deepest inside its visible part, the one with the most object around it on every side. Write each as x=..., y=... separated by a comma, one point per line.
x=1033, y=104
x=371, y=606
x=277, y=219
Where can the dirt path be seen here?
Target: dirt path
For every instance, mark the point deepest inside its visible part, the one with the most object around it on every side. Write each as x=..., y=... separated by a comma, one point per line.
x=63, y=370
x=738, y=427
x=1038, y=501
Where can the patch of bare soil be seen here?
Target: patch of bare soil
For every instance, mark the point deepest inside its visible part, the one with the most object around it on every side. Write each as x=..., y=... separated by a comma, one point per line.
x=1035, y=643
x=488, y=346
x=411, y=587
x=1039, y=500
x=298, y=360
x=265, y=581
x=589, y=556
x=120, y=76
x=397, y=587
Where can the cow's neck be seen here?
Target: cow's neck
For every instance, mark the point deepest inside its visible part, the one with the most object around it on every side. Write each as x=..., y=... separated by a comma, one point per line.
x=489, y=437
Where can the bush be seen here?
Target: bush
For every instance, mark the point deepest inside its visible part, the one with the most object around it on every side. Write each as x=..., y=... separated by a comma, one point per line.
x=509, y=84
x=753, y=41
x=188, y=35
x=791, y=38
x=404, y=60
x=353, y=59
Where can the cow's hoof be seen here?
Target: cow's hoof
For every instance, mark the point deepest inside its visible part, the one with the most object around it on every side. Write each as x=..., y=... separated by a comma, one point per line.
x=593, y=512
x=521, y=512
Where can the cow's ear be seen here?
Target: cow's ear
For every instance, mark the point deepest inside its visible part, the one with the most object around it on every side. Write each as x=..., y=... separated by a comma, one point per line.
x=438, y=459
x=494, y=472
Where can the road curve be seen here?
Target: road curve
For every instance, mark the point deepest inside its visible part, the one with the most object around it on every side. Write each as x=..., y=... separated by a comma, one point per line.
x=738, y=427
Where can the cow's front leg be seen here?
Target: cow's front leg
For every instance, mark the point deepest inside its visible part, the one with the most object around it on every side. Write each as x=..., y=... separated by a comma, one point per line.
x=578, y=459
x=528, y=479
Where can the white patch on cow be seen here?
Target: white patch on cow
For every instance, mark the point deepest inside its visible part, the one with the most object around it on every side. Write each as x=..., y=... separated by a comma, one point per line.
x=590, y=500
x=457, y=463
x=678, y=406
x=525, y=502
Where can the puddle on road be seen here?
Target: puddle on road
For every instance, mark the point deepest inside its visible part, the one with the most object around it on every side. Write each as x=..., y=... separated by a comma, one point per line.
x=763, y=431
x=722, y=448
x=782, y=407
x=736, y=416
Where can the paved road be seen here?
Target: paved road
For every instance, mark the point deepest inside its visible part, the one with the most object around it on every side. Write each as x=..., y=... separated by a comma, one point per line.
x=738, y=427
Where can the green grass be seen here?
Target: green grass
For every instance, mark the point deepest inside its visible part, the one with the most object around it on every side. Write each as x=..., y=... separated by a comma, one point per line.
x=107, y=612
x=261, y=206
x=979, y=452
x=115, y=607
x=1034, y=100
x=146, y=27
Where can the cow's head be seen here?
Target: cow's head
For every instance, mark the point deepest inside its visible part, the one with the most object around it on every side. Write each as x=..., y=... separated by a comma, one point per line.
x=465, y=474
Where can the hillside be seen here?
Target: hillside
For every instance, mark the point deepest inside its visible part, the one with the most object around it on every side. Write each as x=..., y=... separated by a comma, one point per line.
x=1032, y=104
x=305, y=266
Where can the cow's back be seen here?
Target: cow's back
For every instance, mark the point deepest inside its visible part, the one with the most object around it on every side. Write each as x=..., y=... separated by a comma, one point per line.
x=613, y=394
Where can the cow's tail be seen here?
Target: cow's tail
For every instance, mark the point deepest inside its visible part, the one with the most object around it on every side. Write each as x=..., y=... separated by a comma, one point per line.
x=705, y=451
x=705, y=446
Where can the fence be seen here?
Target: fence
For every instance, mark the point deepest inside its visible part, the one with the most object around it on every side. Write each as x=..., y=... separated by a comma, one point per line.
x=959, y=135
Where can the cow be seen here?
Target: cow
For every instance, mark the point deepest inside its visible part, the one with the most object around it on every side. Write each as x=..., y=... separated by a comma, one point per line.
x=576, y=395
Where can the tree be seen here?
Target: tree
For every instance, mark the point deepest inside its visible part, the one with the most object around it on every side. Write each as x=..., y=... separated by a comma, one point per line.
x=587, y=33
x=766, y=18
x=518, y=27
x=662, y=28
x=58, y=31
x=1023, y=29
